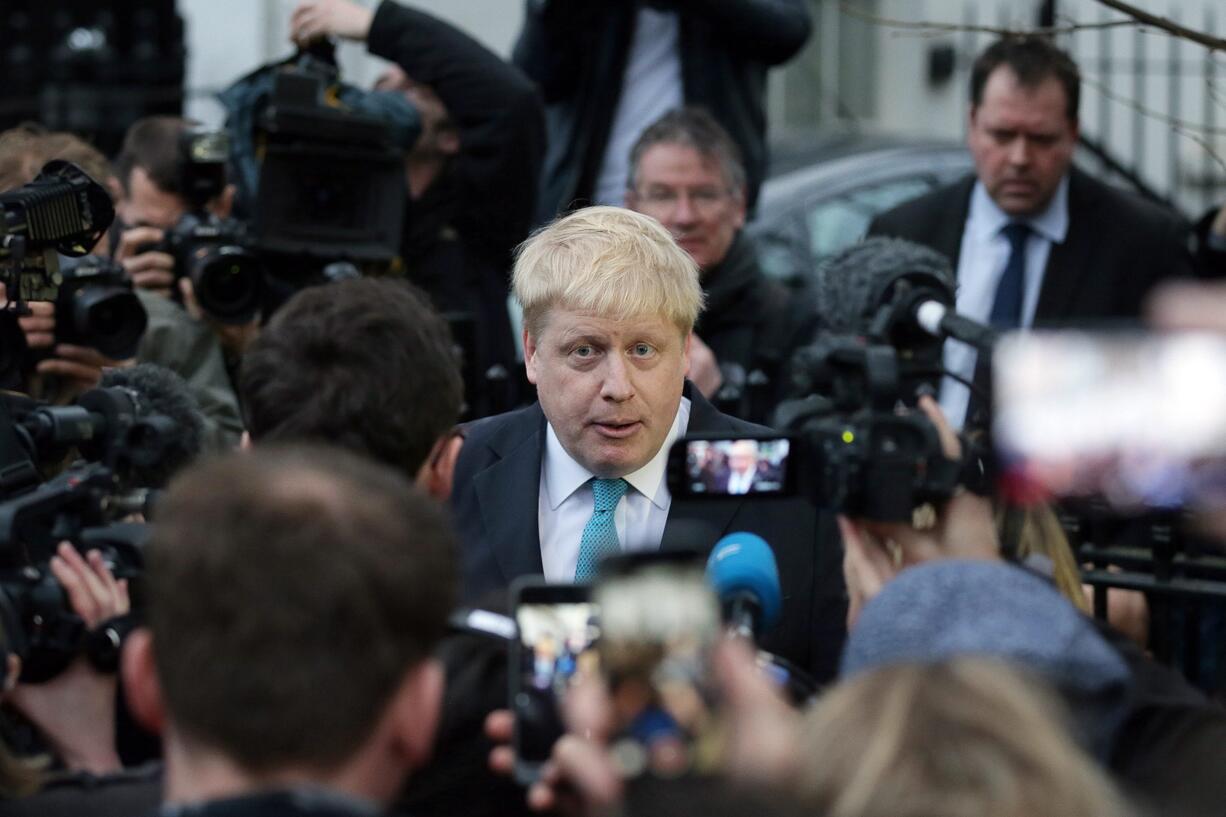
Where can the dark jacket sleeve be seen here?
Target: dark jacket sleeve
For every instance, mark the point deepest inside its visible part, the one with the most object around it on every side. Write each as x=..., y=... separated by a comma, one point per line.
x=552, y=44
x=495, y=107
x=767, y=31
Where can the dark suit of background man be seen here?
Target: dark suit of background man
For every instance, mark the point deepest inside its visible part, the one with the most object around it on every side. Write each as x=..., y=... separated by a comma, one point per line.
x=1033, y=240
x=609, y=304
x=608, y=68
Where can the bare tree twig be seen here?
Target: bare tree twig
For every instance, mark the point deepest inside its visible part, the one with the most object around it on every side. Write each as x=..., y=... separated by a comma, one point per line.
x=927, y=28
x=1166, y=24
x=1156, y=115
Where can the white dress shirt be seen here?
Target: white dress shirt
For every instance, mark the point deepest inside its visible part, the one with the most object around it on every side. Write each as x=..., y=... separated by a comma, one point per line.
x=981, y=262
x=565, y=502
x=651, y=87
x=739, y=482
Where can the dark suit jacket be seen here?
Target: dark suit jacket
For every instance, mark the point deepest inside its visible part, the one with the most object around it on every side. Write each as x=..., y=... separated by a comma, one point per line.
x=1118, y=246
x=497, y=484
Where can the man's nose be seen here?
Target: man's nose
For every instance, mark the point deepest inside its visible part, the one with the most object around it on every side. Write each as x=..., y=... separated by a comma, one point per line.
x=1019, y=151
x=684, y=211
x=617, y=385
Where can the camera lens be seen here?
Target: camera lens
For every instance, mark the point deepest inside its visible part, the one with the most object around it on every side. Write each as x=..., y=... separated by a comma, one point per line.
x=228, y=283
x=109, y=319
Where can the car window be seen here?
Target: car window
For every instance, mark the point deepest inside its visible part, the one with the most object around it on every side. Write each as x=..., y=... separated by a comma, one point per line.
x=840, y=221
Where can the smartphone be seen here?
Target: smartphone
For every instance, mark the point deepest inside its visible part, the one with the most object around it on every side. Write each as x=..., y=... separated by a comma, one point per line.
x=557, y=628
x=708, y=466
x=659, y=621
x=1137, y=420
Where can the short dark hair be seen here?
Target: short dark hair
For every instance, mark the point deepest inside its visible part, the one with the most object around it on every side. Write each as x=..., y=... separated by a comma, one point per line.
x=1033, y=59
x=152, y=144
x=366, y=364
x=693, y=127
x=290, y=589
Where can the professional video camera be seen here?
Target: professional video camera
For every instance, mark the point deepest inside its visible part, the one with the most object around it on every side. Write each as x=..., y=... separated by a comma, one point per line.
x=63, y=210
x=853, y=442
x=323, y=201
x=85, y=505
x=46, y=229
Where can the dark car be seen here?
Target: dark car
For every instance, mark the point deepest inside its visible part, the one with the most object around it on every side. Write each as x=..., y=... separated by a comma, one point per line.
x=818, y=201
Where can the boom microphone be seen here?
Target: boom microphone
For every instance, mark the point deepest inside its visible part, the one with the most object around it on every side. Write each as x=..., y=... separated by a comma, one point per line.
x=162, y=397
x=743, y=573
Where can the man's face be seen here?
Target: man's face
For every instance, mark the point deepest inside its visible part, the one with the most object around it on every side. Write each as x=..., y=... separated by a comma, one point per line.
x=743, y=457
x=146, y=205
x=609, y=388
x=1022, y=141
x=688, y=193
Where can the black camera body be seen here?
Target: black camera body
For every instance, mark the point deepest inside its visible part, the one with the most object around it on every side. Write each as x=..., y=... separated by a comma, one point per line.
x=85, y=505
x=63, y=210
x=96, y=307
x=216, y=255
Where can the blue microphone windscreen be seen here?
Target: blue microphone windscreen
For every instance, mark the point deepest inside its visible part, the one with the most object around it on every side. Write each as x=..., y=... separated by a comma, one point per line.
x=743, y=563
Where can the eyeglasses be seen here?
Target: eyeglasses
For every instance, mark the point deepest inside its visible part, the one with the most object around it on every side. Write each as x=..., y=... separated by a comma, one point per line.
x=704, y=200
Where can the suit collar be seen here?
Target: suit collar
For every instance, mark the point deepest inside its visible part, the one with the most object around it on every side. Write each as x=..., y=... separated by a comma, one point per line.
x=1068, y=264
x=504, y=488
x=508, y=491
x=947, y=230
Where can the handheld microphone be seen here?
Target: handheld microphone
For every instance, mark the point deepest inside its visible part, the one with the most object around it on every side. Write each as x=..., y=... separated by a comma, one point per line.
x=743, y=573
x=938, y=320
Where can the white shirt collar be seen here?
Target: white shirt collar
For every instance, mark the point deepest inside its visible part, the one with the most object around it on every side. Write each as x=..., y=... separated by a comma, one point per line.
x=564, y=476
x=986, y=218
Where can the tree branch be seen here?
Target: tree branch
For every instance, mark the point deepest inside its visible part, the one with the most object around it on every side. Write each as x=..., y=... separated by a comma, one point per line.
x=1165, y=24
x=932, y=29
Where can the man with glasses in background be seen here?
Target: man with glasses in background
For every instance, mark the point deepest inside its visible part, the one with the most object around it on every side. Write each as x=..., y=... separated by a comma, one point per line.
x=687, y=173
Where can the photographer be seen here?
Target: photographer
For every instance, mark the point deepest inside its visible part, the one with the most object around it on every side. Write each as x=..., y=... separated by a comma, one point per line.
x=64, y=370
x=473, y=173
x=149, y=168
x=172, y=338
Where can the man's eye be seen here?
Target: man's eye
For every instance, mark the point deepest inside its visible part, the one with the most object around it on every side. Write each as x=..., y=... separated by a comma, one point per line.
x=583, y=351
x=642, y=350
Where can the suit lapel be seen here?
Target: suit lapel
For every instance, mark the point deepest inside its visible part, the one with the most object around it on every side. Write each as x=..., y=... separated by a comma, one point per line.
x=949, y=221
x=1068, y=262
x=695, y=525
x=508, y=493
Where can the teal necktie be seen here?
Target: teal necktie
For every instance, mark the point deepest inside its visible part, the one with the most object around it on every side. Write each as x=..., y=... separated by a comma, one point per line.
x=600, y=533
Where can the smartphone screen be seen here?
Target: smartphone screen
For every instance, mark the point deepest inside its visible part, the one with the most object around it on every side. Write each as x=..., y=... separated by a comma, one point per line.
x=1137, y=420
x=557, y=630
x=731, y=467
x=659, y=621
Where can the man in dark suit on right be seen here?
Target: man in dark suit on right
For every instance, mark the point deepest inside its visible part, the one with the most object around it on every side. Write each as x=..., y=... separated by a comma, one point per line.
x=1033, y=240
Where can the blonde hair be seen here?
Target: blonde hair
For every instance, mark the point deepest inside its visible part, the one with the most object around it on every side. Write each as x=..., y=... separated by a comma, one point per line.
x=24, y=151
x=965, y=738
x=1040, y=533
x=608, y=261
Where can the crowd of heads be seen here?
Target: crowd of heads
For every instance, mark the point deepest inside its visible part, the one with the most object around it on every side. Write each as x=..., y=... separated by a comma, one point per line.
x=297, y=591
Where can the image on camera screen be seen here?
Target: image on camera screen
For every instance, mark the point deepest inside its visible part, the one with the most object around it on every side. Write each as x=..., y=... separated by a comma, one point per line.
x=557, y=649
x=737, y=466
x=1135, y=420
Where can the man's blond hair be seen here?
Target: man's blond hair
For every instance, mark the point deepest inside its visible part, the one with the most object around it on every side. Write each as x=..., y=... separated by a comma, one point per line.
x=610, y=262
